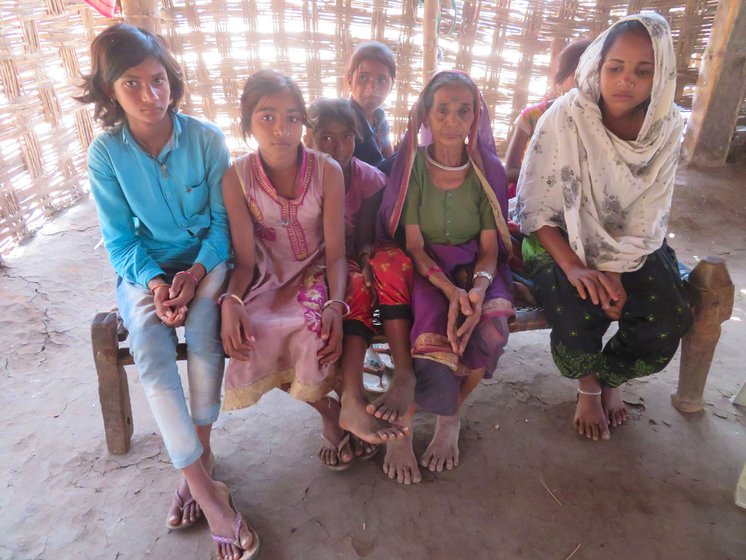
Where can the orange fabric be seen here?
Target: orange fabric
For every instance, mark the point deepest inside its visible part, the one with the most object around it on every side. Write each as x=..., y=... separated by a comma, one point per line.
x=359, y=296
x=392, y=275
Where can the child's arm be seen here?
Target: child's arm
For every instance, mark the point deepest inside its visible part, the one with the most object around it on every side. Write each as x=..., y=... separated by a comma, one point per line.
x=128, y=257
x=235, y=330
x=514, y=155
x=336, y=266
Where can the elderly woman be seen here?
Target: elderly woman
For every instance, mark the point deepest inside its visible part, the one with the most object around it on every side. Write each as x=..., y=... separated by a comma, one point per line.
x=446, y=201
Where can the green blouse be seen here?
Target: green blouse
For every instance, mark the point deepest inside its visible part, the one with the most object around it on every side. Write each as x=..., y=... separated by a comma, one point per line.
x=451, y=217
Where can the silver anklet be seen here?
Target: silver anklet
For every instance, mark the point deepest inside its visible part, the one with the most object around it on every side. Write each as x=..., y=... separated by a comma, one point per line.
x=590, y=393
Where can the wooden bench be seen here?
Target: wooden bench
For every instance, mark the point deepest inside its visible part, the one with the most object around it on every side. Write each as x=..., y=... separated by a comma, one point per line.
x=710, y=288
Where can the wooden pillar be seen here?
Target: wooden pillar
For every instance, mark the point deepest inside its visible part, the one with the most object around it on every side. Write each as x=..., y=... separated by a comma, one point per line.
x=143, y=13
x=720, y=88
x=430, y=39
x=711, y=293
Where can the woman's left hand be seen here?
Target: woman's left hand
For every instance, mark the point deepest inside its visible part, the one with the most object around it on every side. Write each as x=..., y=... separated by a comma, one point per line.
x=182, y=291
x=331, y=334
x=458, y=304
x=476, y=298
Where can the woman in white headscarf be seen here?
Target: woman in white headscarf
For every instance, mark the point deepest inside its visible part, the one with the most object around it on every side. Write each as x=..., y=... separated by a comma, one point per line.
x=595, y=198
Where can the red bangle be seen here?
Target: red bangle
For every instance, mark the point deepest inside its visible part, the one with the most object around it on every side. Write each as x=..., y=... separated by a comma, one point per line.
x=432, y=270
x=192, y=276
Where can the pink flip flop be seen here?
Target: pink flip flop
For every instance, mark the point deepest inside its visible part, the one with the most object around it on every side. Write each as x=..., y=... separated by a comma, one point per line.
x=183, y=504
x=249, y=554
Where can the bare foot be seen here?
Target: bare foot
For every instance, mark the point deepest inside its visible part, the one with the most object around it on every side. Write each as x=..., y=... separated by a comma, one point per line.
x=590, y=420
x=334, y=434
x=222, y=520
x=400, y=462
x=614, y=408
x=393, y=404
x=357, y=421
x=443, y=449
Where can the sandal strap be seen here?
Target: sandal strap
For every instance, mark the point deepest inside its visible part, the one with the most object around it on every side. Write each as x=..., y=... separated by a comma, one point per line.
x=180, y=502
x=236, y=540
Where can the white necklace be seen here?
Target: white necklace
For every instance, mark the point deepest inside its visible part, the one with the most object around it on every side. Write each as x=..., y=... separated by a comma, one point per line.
x=446, y=167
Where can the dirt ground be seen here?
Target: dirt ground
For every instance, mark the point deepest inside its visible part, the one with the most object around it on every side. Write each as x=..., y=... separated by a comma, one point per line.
x=662, y=488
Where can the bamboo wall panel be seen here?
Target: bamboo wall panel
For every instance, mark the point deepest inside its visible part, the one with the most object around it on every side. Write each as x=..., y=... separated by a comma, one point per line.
x=506, y=45
x=43, y=132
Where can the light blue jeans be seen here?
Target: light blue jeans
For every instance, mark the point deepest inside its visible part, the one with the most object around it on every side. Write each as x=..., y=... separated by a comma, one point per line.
x=153, y=346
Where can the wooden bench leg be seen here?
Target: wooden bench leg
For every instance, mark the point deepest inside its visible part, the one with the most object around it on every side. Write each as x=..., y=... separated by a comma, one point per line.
x=711, y=291
x=113, y=389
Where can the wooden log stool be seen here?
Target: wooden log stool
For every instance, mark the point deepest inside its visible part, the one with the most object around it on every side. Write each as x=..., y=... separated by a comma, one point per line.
x=709, y=285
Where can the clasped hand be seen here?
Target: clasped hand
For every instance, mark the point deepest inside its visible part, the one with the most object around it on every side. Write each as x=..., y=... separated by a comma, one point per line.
x=171, y=304
x=604, y=289
x=466, y=309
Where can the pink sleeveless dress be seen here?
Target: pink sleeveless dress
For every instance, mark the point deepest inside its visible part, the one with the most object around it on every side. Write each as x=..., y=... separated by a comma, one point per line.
x=284, y=301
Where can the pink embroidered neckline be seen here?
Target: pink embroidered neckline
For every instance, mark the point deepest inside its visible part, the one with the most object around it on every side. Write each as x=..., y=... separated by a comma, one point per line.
x=306, y=172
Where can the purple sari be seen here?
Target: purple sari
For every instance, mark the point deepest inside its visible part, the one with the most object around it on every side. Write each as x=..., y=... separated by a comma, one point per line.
x=440, y=372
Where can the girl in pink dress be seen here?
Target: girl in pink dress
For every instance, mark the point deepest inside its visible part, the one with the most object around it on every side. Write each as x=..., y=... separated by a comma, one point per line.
x=283, y=309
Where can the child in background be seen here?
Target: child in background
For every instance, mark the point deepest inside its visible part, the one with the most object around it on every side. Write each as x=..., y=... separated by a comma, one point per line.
x=525, y=124
x=370, y=74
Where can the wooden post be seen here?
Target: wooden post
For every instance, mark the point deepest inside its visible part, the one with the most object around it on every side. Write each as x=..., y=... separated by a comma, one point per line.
x=113, y=389
x=430, y=39
x=711, y=292
x=720, y=88
x=143, y=13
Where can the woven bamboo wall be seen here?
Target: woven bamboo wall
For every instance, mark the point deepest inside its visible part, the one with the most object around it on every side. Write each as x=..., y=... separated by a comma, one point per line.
x=507, y=45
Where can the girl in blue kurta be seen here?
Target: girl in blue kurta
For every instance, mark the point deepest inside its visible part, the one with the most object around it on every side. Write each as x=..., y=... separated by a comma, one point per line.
x=156, y=178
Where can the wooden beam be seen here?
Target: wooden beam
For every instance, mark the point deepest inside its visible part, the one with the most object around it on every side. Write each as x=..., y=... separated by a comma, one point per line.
x=430, y=39
x=145, y=14
x=720, y=88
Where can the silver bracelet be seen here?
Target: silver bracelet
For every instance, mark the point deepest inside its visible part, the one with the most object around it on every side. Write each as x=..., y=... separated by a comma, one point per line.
x=590, y=393
x=483, y=274
x=329, y=302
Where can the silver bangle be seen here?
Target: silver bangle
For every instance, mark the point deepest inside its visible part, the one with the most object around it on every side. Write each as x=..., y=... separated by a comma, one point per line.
x=483, y=274
x=590, y=393
x=329, y=302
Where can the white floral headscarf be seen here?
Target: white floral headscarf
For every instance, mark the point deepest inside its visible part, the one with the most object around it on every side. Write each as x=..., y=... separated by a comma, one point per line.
x=612, y=197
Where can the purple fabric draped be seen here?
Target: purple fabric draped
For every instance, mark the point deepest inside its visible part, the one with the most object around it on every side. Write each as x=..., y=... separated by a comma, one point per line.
x=482, y=151
x=436, y=388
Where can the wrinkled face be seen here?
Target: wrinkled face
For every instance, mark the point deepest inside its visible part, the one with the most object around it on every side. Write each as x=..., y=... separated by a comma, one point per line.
x=627, y=74
x=451, y=115
x=370, y=84
x=144, y=93
x=277, y=124
x=337, y=140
